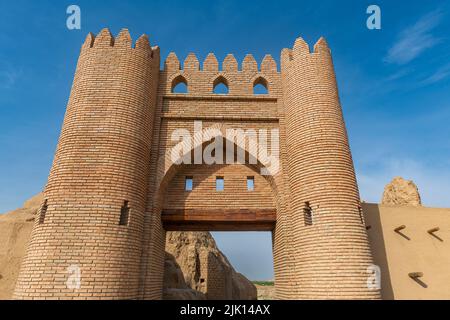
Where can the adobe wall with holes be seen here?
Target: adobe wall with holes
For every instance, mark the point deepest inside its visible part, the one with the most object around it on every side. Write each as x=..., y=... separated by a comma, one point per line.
x=416, y=248
x=114, y=173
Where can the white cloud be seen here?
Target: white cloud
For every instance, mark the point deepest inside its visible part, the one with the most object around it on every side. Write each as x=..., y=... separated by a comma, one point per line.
x=398, y=75
x=440, y=74
x=414, y=40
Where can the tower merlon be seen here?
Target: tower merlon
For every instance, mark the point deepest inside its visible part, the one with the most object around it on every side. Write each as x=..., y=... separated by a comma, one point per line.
x=230, y=64
x=143, y=43
x=301, y=50
x=321, y=46
x=191, y=63
x=172, y=64
x=89, y=42
x=104, y=39
x=123, y=39
x=249, y=64
x=211, y=63
x=268, y=65
x=301, y=47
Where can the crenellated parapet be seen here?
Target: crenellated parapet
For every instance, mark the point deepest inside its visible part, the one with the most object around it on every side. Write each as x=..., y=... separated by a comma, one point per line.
x=301, y=52
x=123, y=41
x=240, y=79
x=229, y=64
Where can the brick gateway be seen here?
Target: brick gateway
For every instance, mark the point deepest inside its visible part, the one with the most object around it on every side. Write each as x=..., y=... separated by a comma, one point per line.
x=113, y=190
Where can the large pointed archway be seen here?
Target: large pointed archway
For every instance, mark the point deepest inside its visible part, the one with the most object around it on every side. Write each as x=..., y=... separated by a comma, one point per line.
x=205, y=209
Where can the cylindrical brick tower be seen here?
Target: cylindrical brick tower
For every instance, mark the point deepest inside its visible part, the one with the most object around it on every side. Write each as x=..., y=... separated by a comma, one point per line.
x=87, y=239
x=329, y=240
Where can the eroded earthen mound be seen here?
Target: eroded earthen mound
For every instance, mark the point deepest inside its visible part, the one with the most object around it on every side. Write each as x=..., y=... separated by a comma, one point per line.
x=205, y=267
x=401, y=192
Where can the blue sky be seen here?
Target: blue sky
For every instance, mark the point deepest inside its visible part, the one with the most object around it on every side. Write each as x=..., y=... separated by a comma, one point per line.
x=394, y=83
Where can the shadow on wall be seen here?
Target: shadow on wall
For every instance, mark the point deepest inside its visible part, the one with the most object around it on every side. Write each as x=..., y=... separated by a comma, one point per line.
x=378, y=246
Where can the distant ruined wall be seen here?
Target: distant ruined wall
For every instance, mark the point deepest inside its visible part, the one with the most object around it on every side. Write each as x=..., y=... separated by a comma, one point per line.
x=206, y=269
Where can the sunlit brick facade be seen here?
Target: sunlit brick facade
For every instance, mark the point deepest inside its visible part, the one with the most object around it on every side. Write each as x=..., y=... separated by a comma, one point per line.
x=113, y=183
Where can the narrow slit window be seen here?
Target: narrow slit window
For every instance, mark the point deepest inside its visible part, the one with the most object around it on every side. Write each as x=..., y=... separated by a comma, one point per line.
x=220, y=184
x=308, y=213
x=43, y=212
x=125, y=214
x=250, y=183
x=189, y=184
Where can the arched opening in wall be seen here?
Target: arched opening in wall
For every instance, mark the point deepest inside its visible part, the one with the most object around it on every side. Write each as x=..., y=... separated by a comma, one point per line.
x=220, y=86
x=219, y=231
x=219, y=265
x=179, y=85
x=260, y=86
